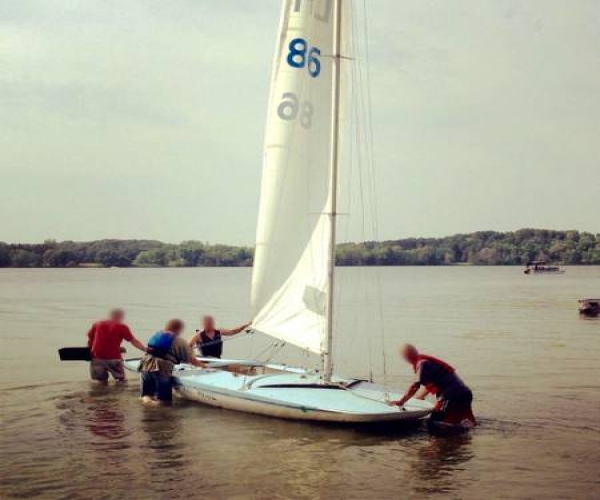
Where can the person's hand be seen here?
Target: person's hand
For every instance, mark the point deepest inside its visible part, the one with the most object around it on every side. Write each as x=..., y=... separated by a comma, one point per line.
x=393, y=403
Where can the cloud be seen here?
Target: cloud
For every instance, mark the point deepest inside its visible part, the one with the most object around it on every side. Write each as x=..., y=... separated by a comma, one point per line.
x=496, y=99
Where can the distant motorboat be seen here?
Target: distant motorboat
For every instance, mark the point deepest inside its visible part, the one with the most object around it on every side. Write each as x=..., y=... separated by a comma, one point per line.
x=542, y=267
x=589, y=307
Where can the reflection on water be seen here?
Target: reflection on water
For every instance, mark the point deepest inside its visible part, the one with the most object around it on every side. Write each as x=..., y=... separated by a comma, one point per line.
x=533, y=365
x=437, y=461
x=189, y=447
x=163, y=447
x=102, y=443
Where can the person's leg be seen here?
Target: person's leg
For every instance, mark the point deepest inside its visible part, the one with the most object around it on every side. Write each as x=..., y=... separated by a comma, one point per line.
x=116, y=367
x=99, y=371
x=148, y=388
x=466, y=409
x=439, y=411
x=453, y=416
x=164, y=389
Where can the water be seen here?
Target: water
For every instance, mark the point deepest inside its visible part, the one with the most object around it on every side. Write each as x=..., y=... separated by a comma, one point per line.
x=533, y=364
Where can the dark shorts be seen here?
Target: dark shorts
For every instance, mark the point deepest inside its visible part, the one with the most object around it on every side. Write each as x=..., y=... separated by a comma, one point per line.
x=101, y=368
x=455, y=410
x=157, y=386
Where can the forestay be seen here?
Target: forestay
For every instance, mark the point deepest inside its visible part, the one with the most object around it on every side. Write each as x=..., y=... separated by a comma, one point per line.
x=290, y=285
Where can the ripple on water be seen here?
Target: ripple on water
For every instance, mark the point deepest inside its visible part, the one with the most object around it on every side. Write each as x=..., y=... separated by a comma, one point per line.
x=86, y=442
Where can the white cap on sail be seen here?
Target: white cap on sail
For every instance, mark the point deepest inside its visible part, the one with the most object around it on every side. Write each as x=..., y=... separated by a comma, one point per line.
x=289, y=283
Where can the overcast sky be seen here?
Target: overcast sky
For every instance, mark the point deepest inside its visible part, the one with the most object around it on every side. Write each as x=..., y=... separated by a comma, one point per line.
x=145, y=119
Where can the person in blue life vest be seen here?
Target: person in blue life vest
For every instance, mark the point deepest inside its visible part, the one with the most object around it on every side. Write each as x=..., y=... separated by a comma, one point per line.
x=209, y=340
x=166, y=348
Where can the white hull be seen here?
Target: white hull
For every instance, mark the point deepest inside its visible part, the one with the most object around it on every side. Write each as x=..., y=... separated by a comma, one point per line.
x=294, y=395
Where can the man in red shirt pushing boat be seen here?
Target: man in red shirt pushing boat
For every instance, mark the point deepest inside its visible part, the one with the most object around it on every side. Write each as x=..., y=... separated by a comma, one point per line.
x=104, y=340
x=453, y=409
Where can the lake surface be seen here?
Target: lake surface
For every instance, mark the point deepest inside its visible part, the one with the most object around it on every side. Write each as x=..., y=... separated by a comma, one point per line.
x=518, y=341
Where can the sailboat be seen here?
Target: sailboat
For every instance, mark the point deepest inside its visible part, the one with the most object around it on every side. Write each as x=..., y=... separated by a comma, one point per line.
x=293, y=274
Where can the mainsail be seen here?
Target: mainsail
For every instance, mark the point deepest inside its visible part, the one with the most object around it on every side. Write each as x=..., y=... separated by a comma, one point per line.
x=290, y=285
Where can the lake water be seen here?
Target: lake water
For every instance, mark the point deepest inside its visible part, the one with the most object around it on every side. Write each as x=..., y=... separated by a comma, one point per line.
x=518, y=341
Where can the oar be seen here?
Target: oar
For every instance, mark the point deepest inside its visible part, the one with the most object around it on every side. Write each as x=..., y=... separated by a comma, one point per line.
x=77, y=353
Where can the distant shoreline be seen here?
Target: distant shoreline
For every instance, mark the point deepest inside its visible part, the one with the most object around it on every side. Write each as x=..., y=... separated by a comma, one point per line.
x=482, y=248
x=104, y=268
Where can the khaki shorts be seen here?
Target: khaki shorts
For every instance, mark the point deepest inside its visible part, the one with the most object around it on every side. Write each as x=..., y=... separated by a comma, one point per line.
x=100, y=368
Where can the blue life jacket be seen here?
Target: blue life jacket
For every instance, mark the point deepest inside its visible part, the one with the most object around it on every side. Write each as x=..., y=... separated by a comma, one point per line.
x=160, y=344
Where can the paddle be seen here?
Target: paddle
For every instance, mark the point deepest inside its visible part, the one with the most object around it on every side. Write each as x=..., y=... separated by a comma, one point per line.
x=77, y=353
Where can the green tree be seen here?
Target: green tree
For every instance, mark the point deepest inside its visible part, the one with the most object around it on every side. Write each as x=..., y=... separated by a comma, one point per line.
x=25, y=258
x=5, y=255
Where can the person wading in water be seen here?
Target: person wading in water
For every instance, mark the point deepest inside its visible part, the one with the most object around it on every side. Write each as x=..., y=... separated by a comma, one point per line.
x=209, y=340
x=166, y=348
x=454, y=398
x=104, y=340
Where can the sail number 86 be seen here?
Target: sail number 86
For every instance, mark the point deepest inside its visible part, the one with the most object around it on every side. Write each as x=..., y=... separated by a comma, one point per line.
x=300, y=55
x=291, y=108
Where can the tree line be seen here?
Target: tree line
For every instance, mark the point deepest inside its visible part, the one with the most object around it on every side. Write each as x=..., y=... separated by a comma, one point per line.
x=480, y=248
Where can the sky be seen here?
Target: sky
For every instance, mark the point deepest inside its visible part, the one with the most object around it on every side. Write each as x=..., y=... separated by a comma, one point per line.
x=145, y=118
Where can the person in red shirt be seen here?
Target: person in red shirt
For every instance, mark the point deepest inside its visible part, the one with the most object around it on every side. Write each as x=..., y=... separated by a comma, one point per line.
x=104, y=340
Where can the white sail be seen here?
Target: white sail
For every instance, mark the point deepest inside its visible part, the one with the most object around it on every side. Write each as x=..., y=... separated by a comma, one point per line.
x=293, y=269
x=293, y=244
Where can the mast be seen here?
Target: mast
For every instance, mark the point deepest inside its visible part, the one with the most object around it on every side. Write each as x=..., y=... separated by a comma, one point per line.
x=327, y=359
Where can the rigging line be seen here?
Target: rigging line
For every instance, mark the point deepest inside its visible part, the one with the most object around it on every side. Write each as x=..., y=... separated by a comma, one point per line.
x=368, y=161
x=374, y=199
x=348, y=152
x=347, y=155
x=361, y=142
x=274, y=345
x=358, y=82
x=385, y=394
x=277, y=346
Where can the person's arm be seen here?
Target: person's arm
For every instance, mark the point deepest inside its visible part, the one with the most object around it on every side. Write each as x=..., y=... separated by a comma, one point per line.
x=193, y=360
x=128, y=336
x=194, y=340
x=422, y=394
x=234, y=331
x=422, y=378
x=90, y=335
x=197, y=362
x=186, y=354
x=136, y=343
x=412, y=390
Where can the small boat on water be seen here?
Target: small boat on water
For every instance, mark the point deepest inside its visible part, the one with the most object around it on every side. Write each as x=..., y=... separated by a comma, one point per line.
x=277, y=390
x=589, y=307
x=293, y=274
x=542, y=267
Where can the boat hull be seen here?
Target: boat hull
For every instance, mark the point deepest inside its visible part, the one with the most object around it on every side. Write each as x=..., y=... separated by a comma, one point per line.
x=589, y=307
x=295, y=396
x=273, y=409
